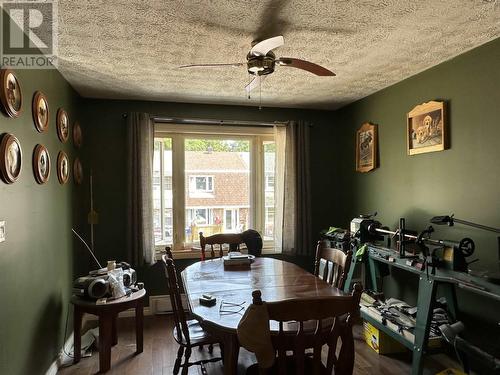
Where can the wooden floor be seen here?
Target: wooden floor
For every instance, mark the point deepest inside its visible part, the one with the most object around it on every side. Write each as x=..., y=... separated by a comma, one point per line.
x=160, y=351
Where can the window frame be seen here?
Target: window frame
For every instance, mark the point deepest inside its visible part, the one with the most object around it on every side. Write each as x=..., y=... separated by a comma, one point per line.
x=256, y=135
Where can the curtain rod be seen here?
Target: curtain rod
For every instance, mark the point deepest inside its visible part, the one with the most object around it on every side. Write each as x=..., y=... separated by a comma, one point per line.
x=199, y=121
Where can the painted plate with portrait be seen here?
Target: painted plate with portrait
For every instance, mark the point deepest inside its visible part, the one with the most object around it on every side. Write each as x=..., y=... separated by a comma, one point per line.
x=62, y=125
x=40, y=111
x=62, y=167
x=41, y=164
x=11, y=157
x=10, y=93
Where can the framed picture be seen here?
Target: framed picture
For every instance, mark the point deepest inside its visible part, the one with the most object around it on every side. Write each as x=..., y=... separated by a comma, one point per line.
x=11, y=157
x=77, y=135
x=10, y=93
x=62, y=125
x=366, y=147
x=41, y=164
x=77, y=171
x=62, y=167
x=426, y=128
x=40, y=111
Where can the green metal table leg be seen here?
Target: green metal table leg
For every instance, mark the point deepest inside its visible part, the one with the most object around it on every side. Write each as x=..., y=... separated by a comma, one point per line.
x=426, y=296
x=348, y=280
x=372, y=271
x=449, y=292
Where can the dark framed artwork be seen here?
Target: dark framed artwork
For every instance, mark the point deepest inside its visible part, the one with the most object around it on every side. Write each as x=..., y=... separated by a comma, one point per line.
x=426, y=128
x=62, y=125
x=40, y=110
x=62, y=167
x=366, y=147
x=41, y=164
x=77, y=171
x=11, y=158
x=77, y=135
x=10, y=93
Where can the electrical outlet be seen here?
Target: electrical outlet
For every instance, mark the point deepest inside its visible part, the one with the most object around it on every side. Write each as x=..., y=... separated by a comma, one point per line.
x=2, y=231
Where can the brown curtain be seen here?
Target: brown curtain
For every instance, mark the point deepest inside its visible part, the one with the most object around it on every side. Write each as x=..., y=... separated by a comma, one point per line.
x=140, y=141
x=296, y=231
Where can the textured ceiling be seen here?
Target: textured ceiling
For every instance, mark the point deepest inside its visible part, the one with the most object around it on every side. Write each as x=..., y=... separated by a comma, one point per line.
x=131, y=49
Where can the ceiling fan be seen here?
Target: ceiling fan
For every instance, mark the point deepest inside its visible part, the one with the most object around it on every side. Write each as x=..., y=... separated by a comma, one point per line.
x=261, y=61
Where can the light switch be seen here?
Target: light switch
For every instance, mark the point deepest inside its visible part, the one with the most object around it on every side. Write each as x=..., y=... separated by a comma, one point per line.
x=2, y=231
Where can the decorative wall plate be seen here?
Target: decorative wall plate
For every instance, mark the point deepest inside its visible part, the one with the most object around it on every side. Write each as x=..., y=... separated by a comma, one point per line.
x=78, y=171
x=41, y=164
x=62, y=167
x=62, y=125
x=11, y=157
x=77, y=135
x=40, y=111
x=10, y=93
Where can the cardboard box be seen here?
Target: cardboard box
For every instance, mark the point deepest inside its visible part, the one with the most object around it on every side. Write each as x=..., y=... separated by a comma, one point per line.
x=381, y=342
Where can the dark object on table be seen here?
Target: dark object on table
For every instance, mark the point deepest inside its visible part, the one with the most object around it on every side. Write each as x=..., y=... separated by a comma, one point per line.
x=187, y=333
x=108, y=313
x=253, y=242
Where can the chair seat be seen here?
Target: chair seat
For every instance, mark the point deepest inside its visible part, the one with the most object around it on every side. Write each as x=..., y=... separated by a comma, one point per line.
x=197, y=335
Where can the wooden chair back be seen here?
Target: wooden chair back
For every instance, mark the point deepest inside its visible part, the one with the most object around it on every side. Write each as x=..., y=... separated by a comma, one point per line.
x=333, y=317
x=180, y=321
x=337, y=264
x=232, y=239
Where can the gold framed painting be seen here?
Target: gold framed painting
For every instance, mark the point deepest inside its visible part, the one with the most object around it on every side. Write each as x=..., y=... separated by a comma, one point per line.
x=426, y=128
x=366, y=147
x=40, y=111
x=11, y=157
x=10, y=93
x=41, y=164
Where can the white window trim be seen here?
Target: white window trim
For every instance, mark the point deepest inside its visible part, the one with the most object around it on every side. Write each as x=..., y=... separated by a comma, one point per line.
x=178, y=133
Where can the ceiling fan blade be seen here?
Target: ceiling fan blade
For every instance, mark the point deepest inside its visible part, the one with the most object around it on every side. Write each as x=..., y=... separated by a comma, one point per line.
x=263, y=47
x=254, y=83
x=304, y=65
x=233, y=65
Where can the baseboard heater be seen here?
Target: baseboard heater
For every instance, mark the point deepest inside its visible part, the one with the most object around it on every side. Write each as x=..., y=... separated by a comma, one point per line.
x=161, y=304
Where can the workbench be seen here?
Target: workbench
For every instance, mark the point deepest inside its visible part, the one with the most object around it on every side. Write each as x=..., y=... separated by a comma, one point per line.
x=376, y=257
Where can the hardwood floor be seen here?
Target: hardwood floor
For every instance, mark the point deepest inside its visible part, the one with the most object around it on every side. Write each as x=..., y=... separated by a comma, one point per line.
x=160, y=352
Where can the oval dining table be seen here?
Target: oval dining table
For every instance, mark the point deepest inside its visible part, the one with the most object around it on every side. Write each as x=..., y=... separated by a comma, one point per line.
x=232, y=287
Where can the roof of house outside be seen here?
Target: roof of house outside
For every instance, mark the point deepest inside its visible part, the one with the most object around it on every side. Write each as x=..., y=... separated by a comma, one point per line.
x=215, y=161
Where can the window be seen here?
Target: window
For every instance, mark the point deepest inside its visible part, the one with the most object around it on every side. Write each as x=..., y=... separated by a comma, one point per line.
x=212, y=180
x=201, y=184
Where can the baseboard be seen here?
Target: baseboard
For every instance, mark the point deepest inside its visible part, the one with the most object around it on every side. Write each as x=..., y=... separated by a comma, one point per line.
x=54, y=366
x=160, y=304
x=130, y=313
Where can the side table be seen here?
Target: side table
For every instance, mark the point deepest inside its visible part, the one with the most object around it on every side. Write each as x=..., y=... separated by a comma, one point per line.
x=107, y=315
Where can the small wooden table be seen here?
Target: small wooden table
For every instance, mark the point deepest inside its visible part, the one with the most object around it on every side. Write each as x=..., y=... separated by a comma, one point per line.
x=107, y=314
x=277, y=280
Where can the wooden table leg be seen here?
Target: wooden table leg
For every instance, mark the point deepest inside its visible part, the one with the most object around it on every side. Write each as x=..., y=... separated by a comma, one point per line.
x=114, y=331
x=139, y=325
x=105, y=339
x=231, y=352
x=77, y=334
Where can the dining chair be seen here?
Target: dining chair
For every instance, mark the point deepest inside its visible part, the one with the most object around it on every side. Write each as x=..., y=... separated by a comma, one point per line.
x=283, y=342
x=337, y=264
x=232, y=239
x=187, y=333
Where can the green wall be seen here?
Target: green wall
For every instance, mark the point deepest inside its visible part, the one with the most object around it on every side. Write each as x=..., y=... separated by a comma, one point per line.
x=36, y=260
x=106, y=134
x=465, y=179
